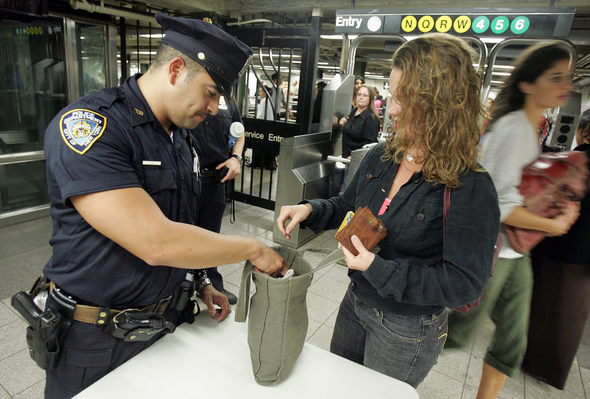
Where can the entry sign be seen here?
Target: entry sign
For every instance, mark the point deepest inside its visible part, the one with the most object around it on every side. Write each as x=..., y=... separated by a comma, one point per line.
x=505, y=22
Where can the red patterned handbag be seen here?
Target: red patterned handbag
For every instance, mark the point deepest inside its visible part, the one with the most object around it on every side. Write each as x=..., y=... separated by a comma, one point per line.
x=546, y=184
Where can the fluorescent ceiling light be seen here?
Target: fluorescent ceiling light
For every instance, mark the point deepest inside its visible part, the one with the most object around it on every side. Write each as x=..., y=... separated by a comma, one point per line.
x=153, y=35
x=504, y=66
x=491, y=39
x=337, y=37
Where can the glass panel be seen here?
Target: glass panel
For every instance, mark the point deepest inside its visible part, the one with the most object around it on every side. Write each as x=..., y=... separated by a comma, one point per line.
x=32, y=81
x=22, y=185
x=92, y=57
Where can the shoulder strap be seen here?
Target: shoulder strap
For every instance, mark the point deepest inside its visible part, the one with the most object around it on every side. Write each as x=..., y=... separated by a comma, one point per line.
x=244, y=294
x=447, y=204
x=241, y=311
x=332, y=257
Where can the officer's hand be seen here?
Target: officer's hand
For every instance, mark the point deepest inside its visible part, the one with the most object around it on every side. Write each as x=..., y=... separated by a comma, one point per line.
x=211, y=297
x=267, y=260
x=233, y=166
x=363, y=260
x=295, y=213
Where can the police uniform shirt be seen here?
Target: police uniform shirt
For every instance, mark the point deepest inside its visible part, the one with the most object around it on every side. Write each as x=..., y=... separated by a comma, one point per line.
x=110, y=141
x=212, y=137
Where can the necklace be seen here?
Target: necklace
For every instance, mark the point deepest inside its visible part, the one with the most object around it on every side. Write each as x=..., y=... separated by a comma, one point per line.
x=409, y=157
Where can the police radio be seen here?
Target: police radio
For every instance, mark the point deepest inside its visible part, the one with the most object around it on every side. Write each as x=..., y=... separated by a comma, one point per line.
x=566, y=122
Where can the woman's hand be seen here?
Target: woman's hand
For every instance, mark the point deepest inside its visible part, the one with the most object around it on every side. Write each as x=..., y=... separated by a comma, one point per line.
x=562, y=223
x=363, y=260
x=343, y=121
x=296, y=213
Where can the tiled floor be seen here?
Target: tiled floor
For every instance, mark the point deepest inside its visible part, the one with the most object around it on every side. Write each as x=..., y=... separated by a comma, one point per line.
x=24, y=249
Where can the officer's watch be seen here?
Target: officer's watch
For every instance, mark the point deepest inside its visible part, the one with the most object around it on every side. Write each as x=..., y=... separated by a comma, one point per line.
x=237, y=156
x=203, y=281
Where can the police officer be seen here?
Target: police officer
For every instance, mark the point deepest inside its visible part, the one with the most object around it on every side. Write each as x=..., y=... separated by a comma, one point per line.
x=123, y=185
x=218, y=165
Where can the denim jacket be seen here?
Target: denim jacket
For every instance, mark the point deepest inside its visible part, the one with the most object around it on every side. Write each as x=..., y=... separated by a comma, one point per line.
x=417, y=272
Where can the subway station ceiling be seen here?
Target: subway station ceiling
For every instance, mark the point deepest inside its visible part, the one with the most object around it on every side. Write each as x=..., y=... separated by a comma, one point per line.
x=281, y=13
x=258, y=7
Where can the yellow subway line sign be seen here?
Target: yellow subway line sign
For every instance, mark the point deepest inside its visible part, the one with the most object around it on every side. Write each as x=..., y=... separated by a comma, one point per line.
x=506, y=22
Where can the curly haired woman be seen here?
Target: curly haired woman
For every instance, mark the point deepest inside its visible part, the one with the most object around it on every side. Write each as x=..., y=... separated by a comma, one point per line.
x=393, y=317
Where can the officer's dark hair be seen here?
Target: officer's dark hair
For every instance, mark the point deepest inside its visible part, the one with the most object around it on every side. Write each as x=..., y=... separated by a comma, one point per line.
x=166, y=53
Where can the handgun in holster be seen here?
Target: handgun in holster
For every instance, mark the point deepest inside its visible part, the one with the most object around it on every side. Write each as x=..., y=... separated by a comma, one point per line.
x=42, y=332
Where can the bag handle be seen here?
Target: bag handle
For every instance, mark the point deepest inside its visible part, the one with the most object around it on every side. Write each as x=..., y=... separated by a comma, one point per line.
x=332, y=256
x=244, y=294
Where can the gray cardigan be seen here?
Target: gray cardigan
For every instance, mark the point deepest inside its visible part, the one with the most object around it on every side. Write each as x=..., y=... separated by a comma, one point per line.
x=511, y=144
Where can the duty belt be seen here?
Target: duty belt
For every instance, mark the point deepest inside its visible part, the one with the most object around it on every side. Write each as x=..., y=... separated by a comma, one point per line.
x=102, y=315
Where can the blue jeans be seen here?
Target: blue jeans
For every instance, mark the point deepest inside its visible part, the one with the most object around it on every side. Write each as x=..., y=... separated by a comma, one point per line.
x=400, y=346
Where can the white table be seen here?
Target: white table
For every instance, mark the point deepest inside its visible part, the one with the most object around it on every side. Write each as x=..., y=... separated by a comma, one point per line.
x=212, y=360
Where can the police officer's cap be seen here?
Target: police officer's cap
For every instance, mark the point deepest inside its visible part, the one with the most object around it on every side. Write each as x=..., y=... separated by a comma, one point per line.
x=222, y=55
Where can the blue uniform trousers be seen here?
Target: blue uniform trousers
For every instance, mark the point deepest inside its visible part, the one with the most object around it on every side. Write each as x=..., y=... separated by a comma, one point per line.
x=210, y=208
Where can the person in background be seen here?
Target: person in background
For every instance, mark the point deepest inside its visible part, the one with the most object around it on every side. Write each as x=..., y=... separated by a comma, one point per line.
x=219, y=164
x=362, y=125
x=393, y=317
x=264, y=109
x=488, y=116
x=378, y=102
x=277, y=97
x=540, y=79
x=561, y=291
x=583, y=132
x=317, y=106
x=358, y=82
x=122, y=177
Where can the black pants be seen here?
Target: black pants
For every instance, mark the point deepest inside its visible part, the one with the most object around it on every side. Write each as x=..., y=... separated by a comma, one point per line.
x=559, y=309
x=210, y=208
x=88, y=354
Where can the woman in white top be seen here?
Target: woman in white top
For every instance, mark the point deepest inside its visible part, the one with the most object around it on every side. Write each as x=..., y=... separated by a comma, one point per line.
x=265, y=108
x=541, y=79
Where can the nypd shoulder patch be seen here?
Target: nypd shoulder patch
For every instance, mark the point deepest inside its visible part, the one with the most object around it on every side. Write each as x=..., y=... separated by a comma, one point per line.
x=80, y=128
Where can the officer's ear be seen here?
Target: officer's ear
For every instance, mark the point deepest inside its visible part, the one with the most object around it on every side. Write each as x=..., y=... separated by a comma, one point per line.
x=176, y=69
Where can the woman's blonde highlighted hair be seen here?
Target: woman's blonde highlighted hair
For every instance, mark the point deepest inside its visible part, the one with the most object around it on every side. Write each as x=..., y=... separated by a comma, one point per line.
x=439, y=95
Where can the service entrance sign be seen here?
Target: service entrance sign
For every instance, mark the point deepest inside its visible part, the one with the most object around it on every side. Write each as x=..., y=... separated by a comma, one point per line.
x=504, y=22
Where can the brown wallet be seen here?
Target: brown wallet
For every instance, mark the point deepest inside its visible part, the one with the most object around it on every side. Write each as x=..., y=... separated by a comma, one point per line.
x=366, y=227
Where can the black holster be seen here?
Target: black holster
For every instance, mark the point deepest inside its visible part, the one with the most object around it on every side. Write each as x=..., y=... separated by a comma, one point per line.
x=182, y=301
x=43, y=332
x=47, y=327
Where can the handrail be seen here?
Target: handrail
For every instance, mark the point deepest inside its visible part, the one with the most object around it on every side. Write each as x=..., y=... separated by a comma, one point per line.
x=363, y=38
x=20, y=157
x=516, y=41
